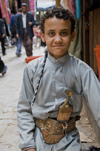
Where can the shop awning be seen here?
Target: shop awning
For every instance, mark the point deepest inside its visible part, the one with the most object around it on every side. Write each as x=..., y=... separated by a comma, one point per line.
x=44, y=5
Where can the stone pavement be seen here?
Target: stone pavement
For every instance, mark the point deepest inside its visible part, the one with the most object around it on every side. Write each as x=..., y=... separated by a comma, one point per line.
x=10, y=86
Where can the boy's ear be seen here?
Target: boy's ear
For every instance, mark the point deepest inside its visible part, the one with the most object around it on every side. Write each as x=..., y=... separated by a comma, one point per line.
x=42, y=37
x=73, y=36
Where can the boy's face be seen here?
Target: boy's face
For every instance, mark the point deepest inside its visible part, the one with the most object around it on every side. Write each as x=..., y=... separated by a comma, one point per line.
x=57, y=35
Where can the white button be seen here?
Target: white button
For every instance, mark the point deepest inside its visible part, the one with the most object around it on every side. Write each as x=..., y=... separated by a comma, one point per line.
x=56, y=60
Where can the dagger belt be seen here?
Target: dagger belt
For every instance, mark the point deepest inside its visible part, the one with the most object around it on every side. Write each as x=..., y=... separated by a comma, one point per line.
x=53, y=130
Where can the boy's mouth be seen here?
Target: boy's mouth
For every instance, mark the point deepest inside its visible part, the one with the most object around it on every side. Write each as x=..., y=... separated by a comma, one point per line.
x=58, y=46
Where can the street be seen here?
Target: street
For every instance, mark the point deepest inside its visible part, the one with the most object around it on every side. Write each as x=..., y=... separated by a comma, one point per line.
x=10, y=86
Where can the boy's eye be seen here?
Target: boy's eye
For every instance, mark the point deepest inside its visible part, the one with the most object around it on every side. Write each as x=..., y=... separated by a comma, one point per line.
x=51, y=34
x=63, y=33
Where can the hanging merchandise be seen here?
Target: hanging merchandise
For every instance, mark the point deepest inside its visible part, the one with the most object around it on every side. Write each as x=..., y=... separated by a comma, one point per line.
x=4, y=12
x=72, y=6
x=7, y=3
x=9, y=13
x=76, y=46
x=65, y=3
x=32, y=5
x=16, y=5
x=92, y=4
x=27, y=2
x=19, y=3
x=44, y=5
x=13, y=11
x=78, y=8
x=10, y=4
x=58, y=3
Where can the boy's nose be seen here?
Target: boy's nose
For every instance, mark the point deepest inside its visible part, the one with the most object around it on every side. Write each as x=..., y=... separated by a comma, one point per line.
x=58, y=38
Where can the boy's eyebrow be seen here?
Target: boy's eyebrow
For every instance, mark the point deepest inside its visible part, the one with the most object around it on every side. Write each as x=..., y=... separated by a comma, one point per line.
x=54, y=29
x=50, y=29
x=65, y=29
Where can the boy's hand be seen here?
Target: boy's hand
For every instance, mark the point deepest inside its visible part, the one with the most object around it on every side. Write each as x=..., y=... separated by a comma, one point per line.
x=32, y=149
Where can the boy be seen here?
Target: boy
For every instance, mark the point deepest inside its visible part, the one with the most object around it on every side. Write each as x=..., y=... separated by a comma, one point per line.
x=45, y=88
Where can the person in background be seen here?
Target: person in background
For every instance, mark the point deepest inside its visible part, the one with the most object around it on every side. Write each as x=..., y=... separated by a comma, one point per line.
x=7, y=33
x=18, y=40
x=13, y=28
x=8, y=25
x=37, y=32
x=13, y=24
x=3, y=67
x=24, y=29
x=2, y=36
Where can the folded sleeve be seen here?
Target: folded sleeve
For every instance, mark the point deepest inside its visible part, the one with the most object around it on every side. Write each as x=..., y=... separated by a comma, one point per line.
x=25, y=119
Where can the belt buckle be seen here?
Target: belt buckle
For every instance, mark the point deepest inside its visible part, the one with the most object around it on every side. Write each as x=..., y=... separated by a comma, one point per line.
x=65, y=126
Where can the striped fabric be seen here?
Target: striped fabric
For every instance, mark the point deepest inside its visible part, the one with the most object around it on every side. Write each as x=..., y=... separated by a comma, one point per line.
x=4, y=12
x=72, y=6
x=32, y=5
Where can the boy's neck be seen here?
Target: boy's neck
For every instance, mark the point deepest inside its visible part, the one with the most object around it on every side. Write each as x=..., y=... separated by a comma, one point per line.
x=57, y=57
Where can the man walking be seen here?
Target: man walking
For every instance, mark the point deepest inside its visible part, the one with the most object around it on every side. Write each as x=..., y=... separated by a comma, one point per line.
x=2, y=36
x=24, y=29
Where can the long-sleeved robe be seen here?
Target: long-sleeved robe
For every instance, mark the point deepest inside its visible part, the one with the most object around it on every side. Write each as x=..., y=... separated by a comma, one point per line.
x=66, y=73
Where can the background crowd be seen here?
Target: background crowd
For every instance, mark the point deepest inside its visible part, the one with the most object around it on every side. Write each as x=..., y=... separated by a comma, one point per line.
x=21, y=30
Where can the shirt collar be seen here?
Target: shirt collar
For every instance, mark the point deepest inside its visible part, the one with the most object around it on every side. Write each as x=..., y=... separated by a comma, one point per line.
x=23, y=14
x=61, y=60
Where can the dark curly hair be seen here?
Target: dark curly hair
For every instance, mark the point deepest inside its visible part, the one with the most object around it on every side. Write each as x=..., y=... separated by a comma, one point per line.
x=59, y=13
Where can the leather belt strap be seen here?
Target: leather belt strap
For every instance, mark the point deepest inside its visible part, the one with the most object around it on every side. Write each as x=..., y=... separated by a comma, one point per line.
x=53, y=130
x=56, y=127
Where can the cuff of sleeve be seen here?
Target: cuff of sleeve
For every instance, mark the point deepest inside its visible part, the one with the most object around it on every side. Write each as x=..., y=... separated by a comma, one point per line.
x=25, y=149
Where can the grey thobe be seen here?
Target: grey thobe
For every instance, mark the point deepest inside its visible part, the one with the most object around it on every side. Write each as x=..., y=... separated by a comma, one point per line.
x=66, y=73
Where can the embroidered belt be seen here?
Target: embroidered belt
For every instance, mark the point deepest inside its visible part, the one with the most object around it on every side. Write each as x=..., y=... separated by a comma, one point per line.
x=53, y=131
